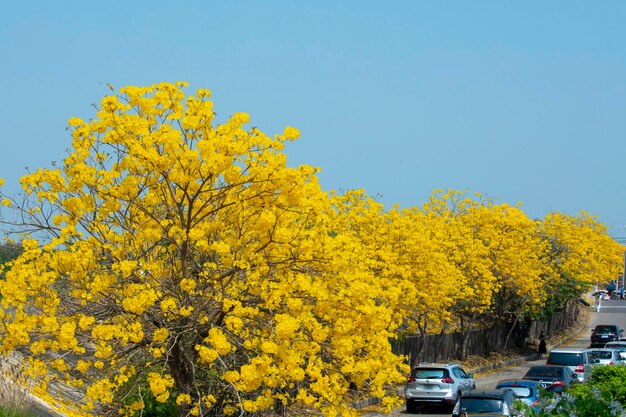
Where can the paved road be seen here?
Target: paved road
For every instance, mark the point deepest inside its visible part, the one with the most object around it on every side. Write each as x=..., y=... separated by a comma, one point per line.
x=611, y=312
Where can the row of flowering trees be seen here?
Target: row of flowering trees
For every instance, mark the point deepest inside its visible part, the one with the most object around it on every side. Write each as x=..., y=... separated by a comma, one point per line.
x=173, y=252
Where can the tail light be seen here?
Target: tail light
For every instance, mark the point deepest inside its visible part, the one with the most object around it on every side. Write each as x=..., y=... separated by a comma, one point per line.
x=535, y=403
x=558, y=383
x=611, y=363
x=411, y=379
x=448, y=380
x=580, y=368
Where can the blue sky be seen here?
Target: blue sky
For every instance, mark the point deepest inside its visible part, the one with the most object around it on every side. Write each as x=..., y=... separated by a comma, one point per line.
x=520, y=101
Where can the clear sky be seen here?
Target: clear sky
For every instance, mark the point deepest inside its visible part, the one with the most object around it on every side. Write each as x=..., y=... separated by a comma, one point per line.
x=521, y=101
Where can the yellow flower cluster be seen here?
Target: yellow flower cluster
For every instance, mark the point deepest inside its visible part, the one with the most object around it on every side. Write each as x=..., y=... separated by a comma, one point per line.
x=160, y=386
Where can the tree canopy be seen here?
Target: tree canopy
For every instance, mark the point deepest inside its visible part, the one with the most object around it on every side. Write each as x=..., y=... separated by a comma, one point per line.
x=173, y=251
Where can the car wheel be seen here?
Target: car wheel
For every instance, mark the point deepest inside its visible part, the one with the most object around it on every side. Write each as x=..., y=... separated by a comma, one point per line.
x=411, y=407
x=458, y=397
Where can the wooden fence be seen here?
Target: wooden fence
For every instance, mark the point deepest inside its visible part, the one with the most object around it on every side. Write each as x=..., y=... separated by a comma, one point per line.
x=446, y=347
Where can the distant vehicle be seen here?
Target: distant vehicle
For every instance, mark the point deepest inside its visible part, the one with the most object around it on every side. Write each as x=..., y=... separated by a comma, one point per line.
x=604, y=333
x=436, y=384
x=525, y=389
x=486, y=403
x=608, y=356
x=579, y=362
x=619, y=345
x=552, y=377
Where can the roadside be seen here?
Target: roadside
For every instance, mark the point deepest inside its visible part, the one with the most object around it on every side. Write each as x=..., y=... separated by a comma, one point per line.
x=482, y=366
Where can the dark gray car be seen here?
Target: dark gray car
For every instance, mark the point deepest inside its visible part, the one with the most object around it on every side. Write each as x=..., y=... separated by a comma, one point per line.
x=552, y=377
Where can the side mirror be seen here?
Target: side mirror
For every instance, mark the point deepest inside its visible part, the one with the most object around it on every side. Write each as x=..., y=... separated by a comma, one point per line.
x=470, y=376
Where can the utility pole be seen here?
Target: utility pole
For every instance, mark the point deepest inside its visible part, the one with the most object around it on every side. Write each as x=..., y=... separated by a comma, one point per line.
x=624, y=275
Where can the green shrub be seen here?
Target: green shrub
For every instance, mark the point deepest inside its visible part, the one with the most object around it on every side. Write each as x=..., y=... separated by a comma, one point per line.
x=604, y=395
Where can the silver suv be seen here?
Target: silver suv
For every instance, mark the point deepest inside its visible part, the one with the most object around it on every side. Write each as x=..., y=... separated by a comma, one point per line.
x=436, y=384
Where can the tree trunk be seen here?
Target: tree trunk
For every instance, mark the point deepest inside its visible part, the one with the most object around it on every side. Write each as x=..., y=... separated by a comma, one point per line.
x=508, y=336
x=182, y=371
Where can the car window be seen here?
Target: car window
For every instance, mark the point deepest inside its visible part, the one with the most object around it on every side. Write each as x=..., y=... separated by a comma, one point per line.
x=565, y=358
x=480, y=405
x=547, y=371
x=460, y=373
x=521, y=392
x=430, y=373
x=616, y=345
x=606, y=329
x=603, y=354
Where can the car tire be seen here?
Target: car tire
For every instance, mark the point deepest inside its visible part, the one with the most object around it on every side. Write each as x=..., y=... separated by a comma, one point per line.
x=458, y=397
x=411, y=407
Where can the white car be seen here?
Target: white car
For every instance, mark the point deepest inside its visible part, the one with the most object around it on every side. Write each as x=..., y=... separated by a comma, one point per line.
x=607, y=356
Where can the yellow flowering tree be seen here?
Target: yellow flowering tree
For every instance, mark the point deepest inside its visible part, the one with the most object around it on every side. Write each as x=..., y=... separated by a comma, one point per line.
x=171, y=249
x=411, y=275
x=517, y=254
x=581, y=254
x=459, y=220
x=497, y=255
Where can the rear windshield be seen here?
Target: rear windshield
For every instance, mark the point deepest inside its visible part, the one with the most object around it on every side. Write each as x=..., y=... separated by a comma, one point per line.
x=544, y=371
x=521, y=392
x=480, y=405
x=567, y=359
x=430, y=373
x=618, y=346
x=602, y=354
x=606, y=329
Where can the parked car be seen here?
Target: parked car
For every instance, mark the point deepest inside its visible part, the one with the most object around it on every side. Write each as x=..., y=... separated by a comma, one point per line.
x=579, y=362
x=486, y=403
x=607, y=356
x=604, y=333
x=525, y=389
x=552, y=377
x=436, y=384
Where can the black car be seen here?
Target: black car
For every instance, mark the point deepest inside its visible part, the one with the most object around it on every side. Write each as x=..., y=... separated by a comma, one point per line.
x=552, y=377
x=604, y=333
x=479, y=403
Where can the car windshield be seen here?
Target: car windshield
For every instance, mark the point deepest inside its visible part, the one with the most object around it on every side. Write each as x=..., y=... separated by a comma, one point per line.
x=565, y=358
x=544, y=371
x=430, y=373
x=521, y=392
x=480, y=405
